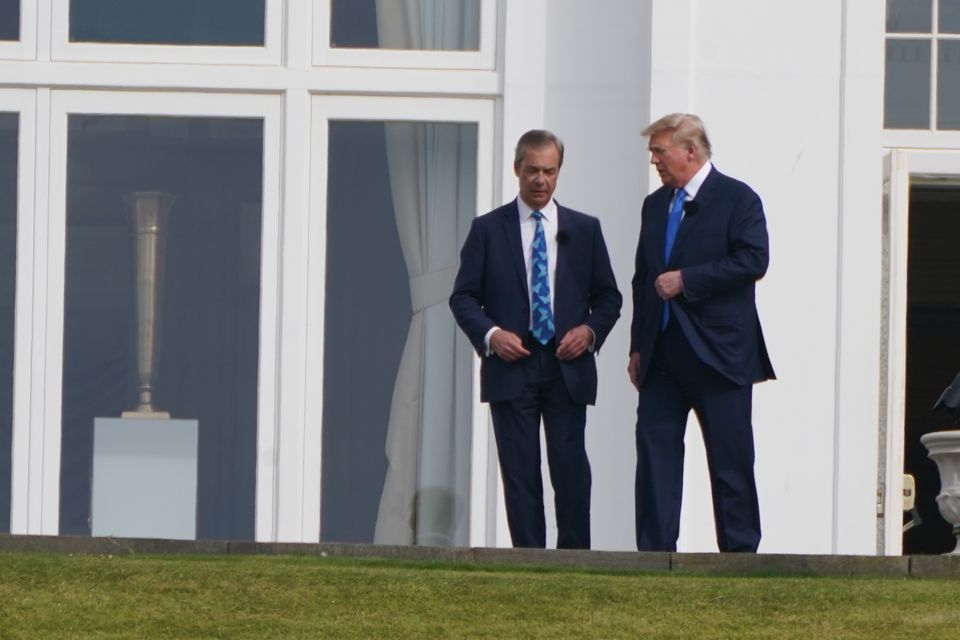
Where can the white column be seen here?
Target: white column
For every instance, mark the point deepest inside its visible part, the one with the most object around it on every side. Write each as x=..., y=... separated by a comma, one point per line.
x=288, y=467
x=858, y=285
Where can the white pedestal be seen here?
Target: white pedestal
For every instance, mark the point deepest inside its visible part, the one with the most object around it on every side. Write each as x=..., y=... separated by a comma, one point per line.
x=144, y=478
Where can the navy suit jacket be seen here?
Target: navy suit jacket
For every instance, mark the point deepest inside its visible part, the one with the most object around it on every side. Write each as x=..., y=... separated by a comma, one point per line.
x=491, y=290
x=722, y=250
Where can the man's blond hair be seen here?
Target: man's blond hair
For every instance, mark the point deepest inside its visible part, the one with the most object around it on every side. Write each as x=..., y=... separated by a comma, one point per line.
x=688, y=130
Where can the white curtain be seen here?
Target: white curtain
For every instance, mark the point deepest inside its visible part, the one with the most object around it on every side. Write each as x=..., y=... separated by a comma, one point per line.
x=450, y=25
x=432, y=176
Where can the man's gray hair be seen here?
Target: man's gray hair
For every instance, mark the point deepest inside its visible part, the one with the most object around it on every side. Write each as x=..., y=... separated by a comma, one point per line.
x=687, y=129
x=536, y=139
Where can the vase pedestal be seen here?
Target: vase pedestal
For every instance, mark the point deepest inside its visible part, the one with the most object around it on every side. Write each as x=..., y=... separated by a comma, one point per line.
x=144, y=478
x=944, y=449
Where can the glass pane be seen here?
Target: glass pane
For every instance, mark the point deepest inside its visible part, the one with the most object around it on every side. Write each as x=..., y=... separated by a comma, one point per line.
x=186, y=22
x=949, y=21
x=948, y=84
x=909, y=16
x=906, y=99
x=396, y=435
x=9, y=125
x=436, y=25
x=9, y=19
x=194, y=346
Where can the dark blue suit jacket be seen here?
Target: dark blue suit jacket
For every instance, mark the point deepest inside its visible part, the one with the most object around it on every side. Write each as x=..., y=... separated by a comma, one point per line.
x=722, y=250
x=491, y=290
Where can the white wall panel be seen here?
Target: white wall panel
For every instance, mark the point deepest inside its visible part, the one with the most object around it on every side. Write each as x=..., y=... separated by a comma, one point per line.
x=597, y=101
x=768, y=88
x=769, y=82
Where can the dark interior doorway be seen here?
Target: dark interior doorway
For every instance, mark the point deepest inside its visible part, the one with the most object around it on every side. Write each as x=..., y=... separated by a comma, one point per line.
x=933, y=347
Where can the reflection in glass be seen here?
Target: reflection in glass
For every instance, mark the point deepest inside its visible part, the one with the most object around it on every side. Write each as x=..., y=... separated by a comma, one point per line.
x=207, y=360
x=949, y=16
x=9, y=19
x=906, y=91
x=434, y=25
x=948, y=84
x=180, y=22
x=397, y=375
x=9, y=125
x=909, y=16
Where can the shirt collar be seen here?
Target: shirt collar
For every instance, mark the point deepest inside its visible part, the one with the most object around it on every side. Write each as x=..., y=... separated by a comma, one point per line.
x=549, y=211
x=694, y=184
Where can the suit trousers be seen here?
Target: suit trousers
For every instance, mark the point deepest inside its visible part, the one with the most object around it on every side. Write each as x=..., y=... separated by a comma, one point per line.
x=676, y=382
x=516, y=425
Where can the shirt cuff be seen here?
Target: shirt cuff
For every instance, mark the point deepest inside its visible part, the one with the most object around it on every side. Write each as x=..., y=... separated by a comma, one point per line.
x=486, y=341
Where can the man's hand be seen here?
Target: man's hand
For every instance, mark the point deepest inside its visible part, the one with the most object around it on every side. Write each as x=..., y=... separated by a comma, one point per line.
x=669, y=284
x=633, y=370
x=507, y=346
x=574, y=343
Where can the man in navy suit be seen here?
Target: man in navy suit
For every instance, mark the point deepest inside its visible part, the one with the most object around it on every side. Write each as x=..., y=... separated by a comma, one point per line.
x=537, y=354
x=695, y=339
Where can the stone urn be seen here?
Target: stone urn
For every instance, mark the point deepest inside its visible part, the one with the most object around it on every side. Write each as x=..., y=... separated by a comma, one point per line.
x=944, y=449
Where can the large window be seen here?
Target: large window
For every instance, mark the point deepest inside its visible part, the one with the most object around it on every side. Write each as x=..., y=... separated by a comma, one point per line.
x=179, y=22
x=9, y=126
x=230, y=119
x=167, y=31
x=425, y=34
x=429, y=25
x=397, y=390
x=207, y=172
x=922, y=70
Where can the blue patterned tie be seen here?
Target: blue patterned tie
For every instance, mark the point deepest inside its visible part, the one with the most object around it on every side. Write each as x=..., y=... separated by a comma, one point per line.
x=540, y=285
x=673, y=224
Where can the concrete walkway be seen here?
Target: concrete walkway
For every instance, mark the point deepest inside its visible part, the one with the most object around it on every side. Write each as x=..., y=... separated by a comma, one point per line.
x=679, y=563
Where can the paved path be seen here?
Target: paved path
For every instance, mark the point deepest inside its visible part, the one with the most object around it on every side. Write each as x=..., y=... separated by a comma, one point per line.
x=690, y=563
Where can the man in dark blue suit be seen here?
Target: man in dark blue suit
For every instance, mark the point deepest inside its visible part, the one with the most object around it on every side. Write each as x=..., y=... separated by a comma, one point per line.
x=695, y=339
x=536, y=295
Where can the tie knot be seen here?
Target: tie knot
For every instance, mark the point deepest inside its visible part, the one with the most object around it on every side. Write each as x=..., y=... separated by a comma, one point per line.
x=681, y=195
x=537, y=215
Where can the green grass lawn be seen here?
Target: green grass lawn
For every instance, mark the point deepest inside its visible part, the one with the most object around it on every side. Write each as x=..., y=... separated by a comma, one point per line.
x=85, y=596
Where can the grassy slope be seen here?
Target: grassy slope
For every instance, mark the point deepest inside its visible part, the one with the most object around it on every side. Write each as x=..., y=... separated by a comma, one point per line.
x=47, y=596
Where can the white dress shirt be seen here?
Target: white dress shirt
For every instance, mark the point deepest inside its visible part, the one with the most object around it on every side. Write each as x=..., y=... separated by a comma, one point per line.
x=694, y=184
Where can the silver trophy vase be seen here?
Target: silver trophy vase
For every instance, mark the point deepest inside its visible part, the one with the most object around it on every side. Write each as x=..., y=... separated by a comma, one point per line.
x=148, y=217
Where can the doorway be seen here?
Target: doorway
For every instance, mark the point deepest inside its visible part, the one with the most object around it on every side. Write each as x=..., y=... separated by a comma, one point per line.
x=932, y=345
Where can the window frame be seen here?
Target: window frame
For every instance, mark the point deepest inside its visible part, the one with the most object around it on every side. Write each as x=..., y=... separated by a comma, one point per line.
x=484, y=59
x=482, y=510
x=121, y=80
x=26, y=47
x=50, y=286
x=893, y=136
x=63, y=50
x=25, y=475
x=901, y=169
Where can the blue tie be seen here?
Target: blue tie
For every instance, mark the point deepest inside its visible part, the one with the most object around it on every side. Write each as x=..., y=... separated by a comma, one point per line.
x=540, y=285
x=673, y=224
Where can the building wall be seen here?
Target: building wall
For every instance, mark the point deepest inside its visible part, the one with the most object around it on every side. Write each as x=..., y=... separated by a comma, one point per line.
x=791, y=96
x=771, y=98
x=598, y=100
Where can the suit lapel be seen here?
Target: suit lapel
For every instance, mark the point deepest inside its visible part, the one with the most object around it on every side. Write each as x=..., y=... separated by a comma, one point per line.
x=563, y=259
x=511, y=227
x=659, y=210
x=690, y=220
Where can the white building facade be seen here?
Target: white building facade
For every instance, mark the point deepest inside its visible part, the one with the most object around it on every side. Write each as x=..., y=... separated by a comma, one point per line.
x=324, y=159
